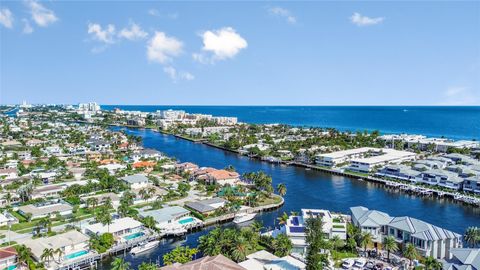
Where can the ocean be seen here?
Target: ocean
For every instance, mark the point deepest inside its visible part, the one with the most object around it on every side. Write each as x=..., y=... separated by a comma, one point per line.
x=455, y=122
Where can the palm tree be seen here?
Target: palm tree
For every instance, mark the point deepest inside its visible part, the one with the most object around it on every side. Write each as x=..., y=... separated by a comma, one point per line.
x=366, y=240
x=59, y=253
x=472, y=236
x=432, y=264
x=23, y=255
x=281, y=189
x=47, y=254
x=410, y=253
x=282, y=219
x=239, y=252
x=390, y=245
x=282, y=245
x=120, y=264
x=257, y=226
x=336, y=242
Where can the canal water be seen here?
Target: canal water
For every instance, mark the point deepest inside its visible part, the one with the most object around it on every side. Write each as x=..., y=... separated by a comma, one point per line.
x=305, y=189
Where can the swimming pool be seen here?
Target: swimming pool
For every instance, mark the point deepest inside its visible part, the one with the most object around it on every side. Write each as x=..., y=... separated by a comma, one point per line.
x=75, y=254
x=133, y=235
x=186, y=221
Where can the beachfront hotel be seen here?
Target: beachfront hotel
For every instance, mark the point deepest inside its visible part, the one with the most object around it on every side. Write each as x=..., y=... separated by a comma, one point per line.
x=428, y=239
x=364, y=159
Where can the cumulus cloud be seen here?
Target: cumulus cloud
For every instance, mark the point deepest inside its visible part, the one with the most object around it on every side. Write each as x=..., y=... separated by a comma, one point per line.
x=105, y=35
x=40, y=14
x=459, y=95
x=284, y=13
x=27, y=28
x=6, y=18
x=175, y=76
x=361, y=20
x=135, y=32
x=161, y=48
x=222, y=44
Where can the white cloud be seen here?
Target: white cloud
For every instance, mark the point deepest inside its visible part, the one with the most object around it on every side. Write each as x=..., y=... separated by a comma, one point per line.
x=161, y=48
x=40, y=14
x=6, y=18
x=361, y=20
x=105, y=35
x=284, y=13
x=459, y=95
x=223, y=43
x=175, y=76
x=156, y=13
x=135, y=32
x=27, y=28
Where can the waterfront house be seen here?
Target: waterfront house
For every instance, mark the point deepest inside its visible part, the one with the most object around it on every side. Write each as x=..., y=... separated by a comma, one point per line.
x=218, y=262
x=428, y=239
x=222, y=177
x=44, y=209
x=8, y=258
x=364, y=159
x=463, y=259
x=123, y=229
x=73, y=245
x=333, y=225
x=136, y=181
x=102, y=197
x=441, y=178
x=207, y=207
x=472, y=184
x=112, y=167
x=48, y=191
x=399, y=172
x=170, y=217
x=371, y=221
x=147, y=154
x=265, y=260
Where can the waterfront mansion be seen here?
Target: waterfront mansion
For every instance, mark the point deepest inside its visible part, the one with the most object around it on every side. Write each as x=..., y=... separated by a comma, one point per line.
x=429, y=239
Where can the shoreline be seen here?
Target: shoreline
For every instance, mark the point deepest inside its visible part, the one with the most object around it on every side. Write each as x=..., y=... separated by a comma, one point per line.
x=463, y=198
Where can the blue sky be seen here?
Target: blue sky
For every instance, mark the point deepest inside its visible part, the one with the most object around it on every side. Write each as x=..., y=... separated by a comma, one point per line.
x=233, y=53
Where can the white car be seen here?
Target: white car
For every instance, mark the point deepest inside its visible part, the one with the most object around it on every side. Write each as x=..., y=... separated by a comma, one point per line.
x=359, y=263
x=347, y=263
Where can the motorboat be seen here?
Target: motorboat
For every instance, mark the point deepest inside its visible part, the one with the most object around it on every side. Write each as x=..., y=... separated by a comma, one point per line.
x=144, y=247
x=244, y=217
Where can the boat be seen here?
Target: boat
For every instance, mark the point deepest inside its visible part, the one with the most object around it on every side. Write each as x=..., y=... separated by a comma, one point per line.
x=145, y=247
x=244, y=217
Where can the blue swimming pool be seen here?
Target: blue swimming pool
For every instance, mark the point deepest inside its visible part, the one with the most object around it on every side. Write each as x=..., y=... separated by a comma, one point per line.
x=186, y=221
x=75, y=254
x=133, y=235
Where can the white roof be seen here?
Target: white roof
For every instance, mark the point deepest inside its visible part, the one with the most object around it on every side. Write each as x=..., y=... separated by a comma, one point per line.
x=116, y=226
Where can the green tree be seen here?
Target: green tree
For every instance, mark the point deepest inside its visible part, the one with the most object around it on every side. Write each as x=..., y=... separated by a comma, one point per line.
x=390, y=245
x=180, y=255
x=410, y=252
x=283, y=218
x=366, y=240
x=147, y=266
x=336, y=242
x=281, y=189
x=119, y=264
x=315, y=242
x=432, y=264
x=282, y=245
x=472, y=236
x=47, y=254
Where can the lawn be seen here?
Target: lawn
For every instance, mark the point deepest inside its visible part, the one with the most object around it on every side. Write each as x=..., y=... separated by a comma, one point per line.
x=339, y=255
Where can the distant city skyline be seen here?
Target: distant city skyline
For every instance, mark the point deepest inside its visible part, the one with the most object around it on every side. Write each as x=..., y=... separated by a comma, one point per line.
x=253, y=53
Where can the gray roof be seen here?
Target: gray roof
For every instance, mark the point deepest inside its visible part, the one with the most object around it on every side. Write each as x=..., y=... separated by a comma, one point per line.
x=370, y=218
x=466, y=259
x=136, y=178
x=205, y=205
x=165, y=214
x=421, y=230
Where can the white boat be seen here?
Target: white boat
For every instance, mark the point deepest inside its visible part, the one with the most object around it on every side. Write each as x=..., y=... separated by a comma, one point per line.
x=144, y=247
x=240, y=218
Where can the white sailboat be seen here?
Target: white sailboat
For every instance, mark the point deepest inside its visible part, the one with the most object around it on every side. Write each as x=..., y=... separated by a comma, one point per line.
x=144, y=247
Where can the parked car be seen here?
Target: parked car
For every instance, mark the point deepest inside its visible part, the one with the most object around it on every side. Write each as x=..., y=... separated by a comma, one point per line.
x=359, y=263
x=347, y=263
x=370, y=265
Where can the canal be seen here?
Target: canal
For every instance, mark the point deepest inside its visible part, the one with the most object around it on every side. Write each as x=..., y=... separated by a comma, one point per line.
x=306, y=189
